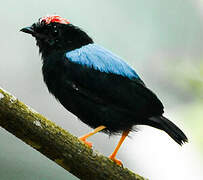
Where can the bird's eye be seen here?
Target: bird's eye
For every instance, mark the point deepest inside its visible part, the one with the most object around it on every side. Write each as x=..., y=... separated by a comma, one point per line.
x=55, y=31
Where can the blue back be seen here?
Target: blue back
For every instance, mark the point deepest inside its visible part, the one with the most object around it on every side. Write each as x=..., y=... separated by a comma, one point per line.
x=95, y=56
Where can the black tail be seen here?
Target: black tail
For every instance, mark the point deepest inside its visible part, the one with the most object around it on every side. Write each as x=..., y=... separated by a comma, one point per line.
x=170, y=128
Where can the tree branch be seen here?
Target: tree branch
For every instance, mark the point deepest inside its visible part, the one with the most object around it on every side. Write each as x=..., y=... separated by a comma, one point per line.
x=56, y=143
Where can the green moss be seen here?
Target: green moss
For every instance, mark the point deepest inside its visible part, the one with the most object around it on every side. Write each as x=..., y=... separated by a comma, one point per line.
x=33, y=144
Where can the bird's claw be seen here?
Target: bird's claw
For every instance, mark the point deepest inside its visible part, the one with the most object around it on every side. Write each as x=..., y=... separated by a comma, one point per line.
x=89, y=144
x=118, y=162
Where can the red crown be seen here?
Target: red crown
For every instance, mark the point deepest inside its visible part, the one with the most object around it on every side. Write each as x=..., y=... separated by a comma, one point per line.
x=54, y=18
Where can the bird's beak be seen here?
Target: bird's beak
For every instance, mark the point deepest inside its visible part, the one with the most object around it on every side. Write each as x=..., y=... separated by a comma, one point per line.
x=28, y=30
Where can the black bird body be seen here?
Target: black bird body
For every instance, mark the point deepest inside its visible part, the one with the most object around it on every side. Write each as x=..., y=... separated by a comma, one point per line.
x=93, y=83
x=99, y=98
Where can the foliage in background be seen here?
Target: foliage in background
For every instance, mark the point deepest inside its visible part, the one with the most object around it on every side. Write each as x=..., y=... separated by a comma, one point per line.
x=189, y=77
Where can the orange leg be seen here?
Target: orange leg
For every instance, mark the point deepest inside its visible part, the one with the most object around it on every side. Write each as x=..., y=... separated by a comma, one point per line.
x=113, y=155
x=83, y=138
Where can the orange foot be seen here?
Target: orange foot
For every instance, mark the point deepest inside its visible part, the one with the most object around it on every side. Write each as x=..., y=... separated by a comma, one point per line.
x=89, y=144
x=118, y=162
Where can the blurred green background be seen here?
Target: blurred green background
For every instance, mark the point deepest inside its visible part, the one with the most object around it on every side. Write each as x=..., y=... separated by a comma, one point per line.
x=162, y=40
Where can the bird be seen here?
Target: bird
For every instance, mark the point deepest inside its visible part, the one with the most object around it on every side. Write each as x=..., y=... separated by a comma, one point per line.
x=95, y=84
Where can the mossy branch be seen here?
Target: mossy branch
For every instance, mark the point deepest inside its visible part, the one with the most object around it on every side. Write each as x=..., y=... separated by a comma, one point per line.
x=56, y=143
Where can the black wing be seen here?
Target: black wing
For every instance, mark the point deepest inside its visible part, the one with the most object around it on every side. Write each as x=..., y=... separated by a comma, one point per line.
x=112, y=90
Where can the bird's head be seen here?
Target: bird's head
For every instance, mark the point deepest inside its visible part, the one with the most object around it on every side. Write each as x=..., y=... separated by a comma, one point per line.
x=55, y=33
